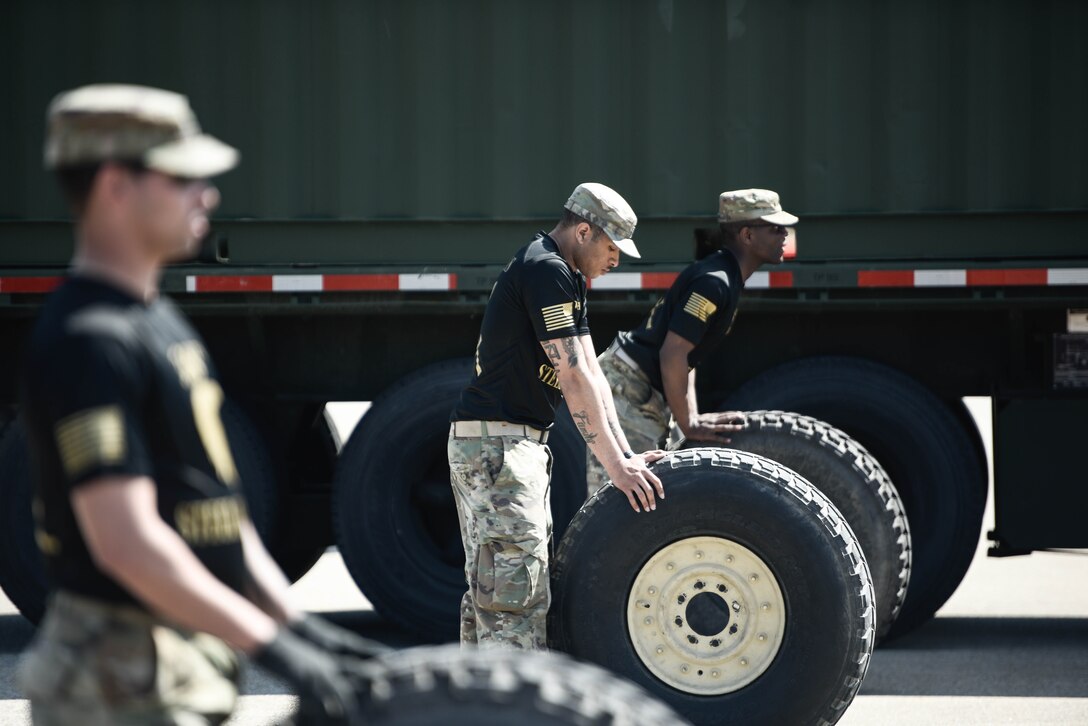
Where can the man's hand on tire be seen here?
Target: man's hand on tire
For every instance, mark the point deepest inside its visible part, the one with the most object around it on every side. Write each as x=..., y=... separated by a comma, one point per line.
x=334, y=639
x=635, y=479
x=714, y=427
x=326, y=694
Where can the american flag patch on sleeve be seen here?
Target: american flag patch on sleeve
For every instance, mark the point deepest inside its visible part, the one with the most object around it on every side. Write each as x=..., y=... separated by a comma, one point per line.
x=699, y=306
x=557, y=317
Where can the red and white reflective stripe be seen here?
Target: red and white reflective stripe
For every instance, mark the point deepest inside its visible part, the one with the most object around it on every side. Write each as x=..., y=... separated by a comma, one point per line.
x=634, y=281
x=1067, y=276
x=29, y=284
x=320, y=283
x=1008, y=277
x=766, y=279
x=762, y=280
x=664, y=280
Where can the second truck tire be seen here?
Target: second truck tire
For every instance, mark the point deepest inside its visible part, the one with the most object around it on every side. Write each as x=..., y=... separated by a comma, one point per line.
x=854, y=482
x=932, y=457
x=393, y=508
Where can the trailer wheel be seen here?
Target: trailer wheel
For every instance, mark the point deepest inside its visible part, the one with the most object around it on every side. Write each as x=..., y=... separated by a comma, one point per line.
x=255, y=468
x=393, y=509
x=745, y=593
x=22, y=570
x=496, y=687
x=929, y=454
x=855, y=483
x=296, y=549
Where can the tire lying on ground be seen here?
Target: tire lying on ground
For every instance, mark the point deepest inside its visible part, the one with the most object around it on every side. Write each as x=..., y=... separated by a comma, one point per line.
x=855, y=483
x=929, y=447
x=22, y=570
x=393, y=508
x=743, y=598
x=498, y=687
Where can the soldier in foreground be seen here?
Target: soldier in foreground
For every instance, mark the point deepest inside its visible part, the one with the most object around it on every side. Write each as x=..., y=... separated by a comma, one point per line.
x=651, y=369
x=158, y=574
x=534, y=348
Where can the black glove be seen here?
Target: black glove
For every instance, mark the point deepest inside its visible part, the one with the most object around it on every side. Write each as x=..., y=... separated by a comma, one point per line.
x=335, y=639
x=325, y=694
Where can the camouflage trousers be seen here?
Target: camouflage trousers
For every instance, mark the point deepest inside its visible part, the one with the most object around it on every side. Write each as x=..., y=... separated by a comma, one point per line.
x=640, y=408
x=501, y=487
x=98, y=664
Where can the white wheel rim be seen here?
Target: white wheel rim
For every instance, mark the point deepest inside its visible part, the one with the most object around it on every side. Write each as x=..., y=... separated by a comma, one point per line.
x=735, y=590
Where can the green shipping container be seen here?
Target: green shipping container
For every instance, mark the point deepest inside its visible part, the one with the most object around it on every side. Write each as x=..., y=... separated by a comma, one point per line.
x=365, y=111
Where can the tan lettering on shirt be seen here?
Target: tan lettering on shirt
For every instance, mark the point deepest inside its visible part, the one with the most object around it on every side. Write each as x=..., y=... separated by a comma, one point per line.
x=548, y=376
x=210, y=521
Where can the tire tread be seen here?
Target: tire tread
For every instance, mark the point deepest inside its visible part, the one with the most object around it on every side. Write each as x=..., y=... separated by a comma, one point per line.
x=534, y=683
x=857, y=457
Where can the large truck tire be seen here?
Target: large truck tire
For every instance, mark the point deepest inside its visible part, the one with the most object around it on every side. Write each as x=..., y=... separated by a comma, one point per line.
x=447, y=685
x=931, y=456
x=855, y=483
x=22, y=570
x=296, y=549
x=393, y=508
x=744, y=597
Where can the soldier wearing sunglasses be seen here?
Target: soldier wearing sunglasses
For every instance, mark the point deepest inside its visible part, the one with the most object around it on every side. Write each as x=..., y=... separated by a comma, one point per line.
x=651, y=369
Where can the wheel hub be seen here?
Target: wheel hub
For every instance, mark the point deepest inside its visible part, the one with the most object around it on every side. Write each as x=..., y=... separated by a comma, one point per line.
x=706, y=615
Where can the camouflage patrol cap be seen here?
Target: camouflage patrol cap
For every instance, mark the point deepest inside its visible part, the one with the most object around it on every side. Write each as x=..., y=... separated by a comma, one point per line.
x=744, y=205
x=110, y=122
x=604, y=207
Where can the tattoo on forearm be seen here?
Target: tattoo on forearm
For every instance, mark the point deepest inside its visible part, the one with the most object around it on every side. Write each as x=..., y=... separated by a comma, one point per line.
x=581, y=420
x=552, y=351
x=573, y=348
x=615, y=429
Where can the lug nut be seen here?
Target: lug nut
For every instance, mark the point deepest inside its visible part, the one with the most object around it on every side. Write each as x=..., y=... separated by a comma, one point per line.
x=698, y=555
x=765, y=606
x=714, y=674
x=652, y=590
x=648, y=620
x=753, y=578
x=659, y=650
x=729, y=558
x=744, y=661
x=683, y=669
x=762, y=636
x=670, y=566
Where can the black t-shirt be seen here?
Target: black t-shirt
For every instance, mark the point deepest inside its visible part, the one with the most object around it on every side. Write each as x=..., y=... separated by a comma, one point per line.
x=116, y=386
x=537, y=297
x=699, y=307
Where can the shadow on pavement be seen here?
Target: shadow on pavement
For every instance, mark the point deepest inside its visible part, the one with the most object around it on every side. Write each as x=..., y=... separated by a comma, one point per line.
x=15, y=634
x=966, y=656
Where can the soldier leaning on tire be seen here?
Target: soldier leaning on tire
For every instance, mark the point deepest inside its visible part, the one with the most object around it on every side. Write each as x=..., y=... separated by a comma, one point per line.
x=651, y=369
x=534, y=348
x=157, y=573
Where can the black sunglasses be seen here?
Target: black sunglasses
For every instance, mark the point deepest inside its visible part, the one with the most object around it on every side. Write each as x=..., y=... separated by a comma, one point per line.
x=774, y=227
x=138, y=167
